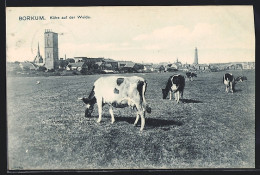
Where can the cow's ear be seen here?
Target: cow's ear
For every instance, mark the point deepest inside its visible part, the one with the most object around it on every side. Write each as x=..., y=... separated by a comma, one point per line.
x=86, y=100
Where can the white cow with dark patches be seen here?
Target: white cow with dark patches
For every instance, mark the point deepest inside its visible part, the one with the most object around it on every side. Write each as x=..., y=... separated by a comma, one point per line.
x=229, y=81
x=190, y=75
x=176, y=84
x=241, y=78
x=118, y=92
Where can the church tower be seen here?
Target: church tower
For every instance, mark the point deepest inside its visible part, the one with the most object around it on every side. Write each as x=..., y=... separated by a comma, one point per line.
x=38, y=60
x=51, y=49
x=196, y=59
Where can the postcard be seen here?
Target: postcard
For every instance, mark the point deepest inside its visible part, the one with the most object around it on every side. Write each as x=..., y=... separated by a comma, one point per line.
x=130, y=87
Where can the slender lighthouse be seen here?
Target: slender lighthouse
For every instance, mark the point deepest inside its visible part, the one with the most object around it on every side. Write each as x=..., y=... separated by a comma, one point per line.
x=196, y=59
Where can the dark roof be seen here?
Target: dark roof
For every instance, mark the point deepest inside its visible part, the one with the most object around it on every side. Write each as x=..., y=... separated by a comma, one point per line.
x=99, y=63
x=27, y=64
x=110, y=60
x=200, y=65
x=204, y=65
x=78, y=64
x=157, y=66
x=108, y=65
x=129, y=65
x=124, y=62
x=147, y=65
x=11, y=66
x=89, y=59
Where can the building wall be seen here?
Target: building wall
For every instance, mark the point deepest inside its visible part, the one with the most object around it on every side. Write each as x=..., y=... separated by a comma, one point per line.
x=51, y=49
x=78, y=59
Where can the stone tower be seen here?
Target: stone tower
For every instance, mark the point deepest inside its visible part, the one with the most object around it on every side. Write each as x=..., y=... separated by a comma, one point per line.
x=38, y=60
x=51, y=49
x=196, y=59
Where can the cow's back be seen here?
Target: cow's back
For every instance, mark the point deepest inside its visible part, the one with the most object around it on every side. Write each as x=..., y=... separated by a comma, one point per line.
x=116, y=88
x=227, y=78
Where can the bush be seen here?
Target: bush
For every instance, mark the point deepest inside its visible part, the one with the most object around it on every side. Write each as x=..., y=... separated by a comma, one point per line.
x=84, y=71
x=172, y=70
x=75, y=72
x=57, y=74
x=51, y=70
x=94, y=71
x=42, y=68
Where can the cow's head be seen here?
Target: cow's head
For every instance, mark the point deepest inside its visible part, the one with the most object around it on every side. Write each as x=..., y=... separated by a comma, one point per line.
x=89, y=106
x=165, y=93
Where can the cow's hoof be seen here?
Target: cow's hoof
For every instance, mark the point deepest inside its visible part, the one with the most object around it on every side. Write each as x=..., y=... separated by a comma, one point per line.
x=112, y=122
x=98, y=121
x=148, y=109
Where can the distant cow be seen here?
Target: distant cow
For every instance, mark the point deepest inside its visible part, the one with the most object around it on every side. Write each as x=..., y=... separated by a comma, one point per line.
x=176, y=84
x=241, y=78
x=190, y=75
x=118, y=92
x=229, y=81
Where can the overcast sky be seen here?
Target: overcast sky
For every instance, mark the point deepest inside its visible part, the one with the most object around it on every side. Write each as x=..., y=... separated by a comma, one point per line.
x=140, y=34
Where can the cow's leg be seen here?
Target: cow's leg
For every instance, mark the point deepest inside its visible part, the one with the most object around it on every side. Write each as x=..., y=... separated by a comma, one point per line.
x=226, y=88
x=99, y=104
x=137, y=118
x=231, y=87
x=112, y=115
x=170, y=95
x=182, y=94
x=177, y=96
x=142, y=120
x=191, y=79
x=141, y=113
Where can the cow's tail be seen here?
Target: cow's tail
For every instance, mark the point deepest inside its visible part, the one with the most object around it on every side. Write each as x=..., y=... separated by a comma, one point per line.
x=145, y=105
x=182, y=86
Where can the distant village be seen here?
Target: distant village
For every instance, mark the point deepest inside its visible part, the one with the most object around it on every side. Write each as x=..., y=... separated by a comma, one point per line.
x=87, y=65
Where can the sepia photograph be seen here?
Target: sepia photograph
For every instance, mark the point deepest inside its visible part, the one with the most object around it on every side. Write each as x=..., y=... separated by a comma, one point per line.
x=130, y=87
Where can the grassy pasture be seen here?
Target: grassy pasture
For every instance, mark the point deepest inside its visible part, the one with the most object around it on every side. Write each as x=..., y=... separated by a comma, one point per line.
x=208, y=129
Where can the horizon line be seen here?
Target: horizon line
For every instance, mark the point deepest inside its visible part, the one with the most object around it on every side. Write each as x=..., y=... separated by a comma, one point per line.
x=149, y=62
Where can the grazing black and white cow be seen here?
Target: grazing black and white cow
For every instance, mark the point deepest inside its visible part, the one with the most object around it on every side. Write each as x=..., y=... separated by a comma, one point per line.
x=229, y=81
x=241, y=78
x=118, y=92
x=176, y=84
x=190, y=75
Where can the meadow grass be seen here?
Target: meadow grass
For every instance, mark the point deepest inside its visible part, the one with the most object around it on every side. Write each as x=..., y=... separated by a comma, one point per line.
x=209, y=128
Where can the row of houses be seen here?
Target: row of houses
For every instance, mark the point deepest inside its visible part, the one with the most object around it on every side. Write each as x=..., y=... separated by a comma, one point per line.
x=233, y=66
x=110, y=65
x=128, y=66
